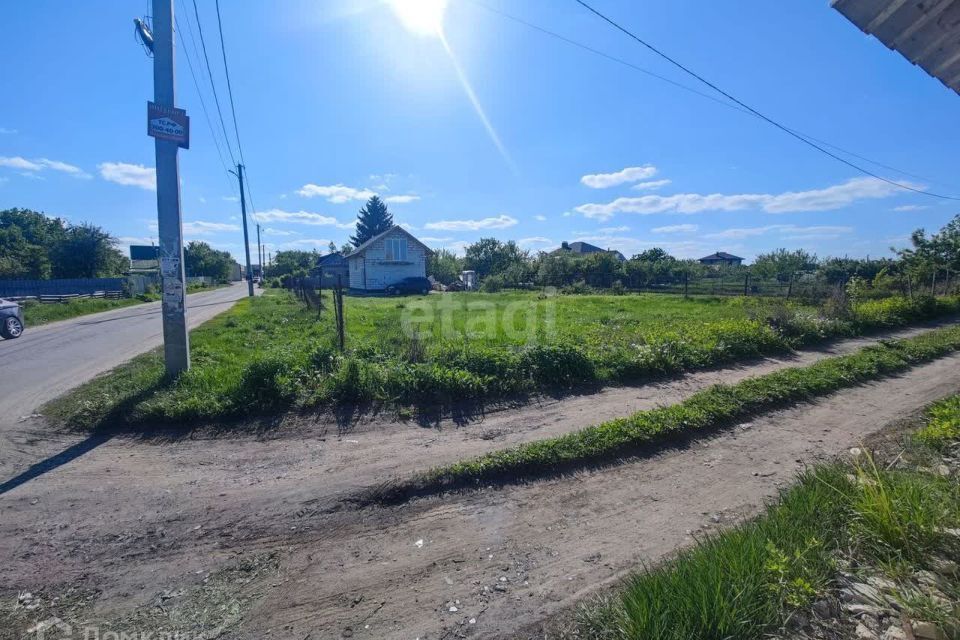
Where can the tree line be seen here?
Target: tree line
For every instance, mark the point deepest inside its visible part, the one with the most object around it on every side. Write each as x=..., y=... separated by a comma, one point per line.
x=930, y=264
x=37, y=247
x=34, y=246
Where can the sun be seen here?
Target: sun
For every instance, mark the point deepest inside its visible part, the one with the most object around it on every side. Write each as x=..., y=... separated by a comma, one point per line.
x=422, y=17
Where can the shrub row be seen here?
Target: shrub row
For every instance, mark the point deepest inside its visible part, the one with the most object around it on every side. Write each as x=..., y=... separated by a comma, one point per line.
x=715, y=407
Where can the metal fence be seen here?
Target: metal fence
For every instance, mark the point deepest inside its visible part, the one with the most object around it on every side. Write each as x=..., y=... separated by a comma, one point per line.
x=73, y=286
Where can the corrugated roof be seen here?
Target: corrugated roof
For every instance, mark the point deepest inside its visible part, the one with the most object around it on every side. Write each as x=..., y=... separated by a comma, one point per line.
x=366, y=245
x=925, y=32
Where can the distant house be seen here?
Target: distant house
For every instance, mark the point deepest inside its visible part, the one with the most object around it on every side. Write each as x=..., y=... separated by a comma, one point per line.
x=585, y=248
x=331, y=267
x=721, y=258
x=386, y=259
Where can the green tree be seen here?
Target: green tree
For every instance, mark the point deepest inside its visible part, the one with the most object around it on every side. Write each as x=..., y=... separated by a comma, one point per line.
x=783, y=264
x=290, y=262
x=332, y=247
x=87, y=251
x=27, y=239
x=444, y=266
x=372, y=220
x=655, y=254
x=200, y=259
x=489, y=256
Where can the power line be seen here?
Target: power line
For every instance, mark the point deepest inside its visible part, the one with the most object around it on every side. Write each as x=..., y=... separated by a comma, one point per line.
x=203, y=104
x=760, y=115
x=679, y=85
x=226, y=72
x=213, y=86
x=233, y=110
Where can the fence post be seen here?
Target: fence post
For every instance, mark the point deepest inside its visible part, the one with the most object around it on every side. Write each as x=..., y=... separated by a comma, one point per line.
x=338, y=311
x=686, y=285
x=746, y=285
x=790, y=287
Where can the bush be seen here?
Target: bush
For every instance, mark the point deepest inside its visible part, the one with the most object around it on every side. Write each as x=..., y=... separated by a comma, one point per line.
x=577, y=288
x=617, y=288
x=265, y=384
x=493, y=284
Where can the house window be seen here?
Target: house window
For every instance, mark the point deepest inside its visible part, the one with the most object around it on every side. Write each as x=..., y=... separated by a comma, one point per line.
x=396, y=249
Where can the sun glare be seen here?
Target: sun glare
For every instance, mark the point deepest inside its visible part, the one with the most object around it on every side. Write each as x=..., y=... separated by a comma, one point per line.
x=422, y=17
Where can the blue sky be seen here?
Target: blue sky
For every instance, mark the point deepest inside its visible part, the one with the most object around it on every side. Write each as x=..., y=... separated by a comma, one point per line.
x=338, y=99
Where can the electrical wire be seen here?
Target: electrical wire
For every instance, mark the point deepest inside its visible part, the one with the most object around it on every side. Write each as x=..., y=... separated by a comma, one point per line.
x=213, y=86
x=233, y=110
x=679, y=85
x=755, y=112
x=203, y=105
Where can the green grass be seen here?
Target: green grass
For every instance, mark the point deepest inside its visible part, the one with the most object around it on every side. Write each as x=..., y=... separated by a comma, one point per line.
x=271, y=354
x=37, y=313
x=943, y=426
x=715, y=407
x=745, y=582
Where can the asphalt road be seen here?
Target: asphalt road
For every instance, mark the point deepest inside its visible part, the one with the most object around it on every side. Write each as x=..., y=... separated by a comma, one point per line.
x=48, y=360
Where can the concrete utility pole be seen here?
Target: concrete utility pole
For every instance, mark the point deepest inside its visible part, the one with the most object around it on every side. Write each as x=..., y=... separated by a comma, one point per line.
x=260, y=253
x=246, y=240
x=176, y=340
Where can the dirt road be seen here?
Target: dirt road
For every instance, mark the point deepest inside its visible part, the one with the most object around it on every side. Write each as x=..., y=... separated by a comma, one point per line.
x=51, y=359
x=150, y=535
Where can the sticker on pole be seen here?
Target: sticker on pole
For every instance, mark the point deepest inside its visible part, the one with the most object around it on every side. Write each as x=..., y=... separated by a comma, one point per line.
x=168, y=123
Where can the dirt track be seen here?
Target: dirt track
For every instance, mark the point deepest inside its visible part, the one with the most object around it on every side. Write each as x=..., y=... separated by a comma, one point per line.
x=133, y=523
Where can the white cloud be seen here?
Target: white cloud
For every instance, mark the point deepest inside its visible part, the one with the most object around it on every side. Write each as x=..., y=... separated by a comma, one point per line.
x=7, y=132
x=435, y=240
x=630, y=174
x=834, y=197
x=308, y=242
x=230, y=198
x=540, y=218
x=336, y=194
x=300, y=217
x=340, y=193
x=676, y=228
x=201, y=228
x=650, y=186
x=16, y=162
x=280, y=232
x=529, y=242
x=499, y=222
x=404, y=199
x=795, y=232
x=911, y=207
x=132, y=175
x=620, y=229
x=56, y=165
x=40, y=164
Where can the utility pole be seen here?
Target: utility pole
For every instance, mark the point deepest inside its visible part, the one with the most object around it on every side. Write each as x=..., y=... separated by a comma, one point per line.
x=246, y=240
x=176, y=340
x=260, y=253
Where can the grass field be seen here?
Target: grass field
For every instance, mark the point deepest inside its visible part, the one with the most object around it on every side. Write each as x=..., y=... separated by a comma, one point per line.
x=37, y=313
x=270, y=353
x=894, y=521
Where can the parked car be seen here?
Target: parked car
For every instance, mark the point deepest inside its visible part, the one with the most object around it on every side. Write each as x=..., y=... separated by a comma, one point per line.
x=410, y=285
x=11, y=319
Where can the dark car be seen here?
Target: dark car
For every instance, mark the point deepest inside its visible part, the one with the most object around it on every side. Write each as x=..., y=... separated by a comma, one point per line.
x=11, y=319
x=410, y=285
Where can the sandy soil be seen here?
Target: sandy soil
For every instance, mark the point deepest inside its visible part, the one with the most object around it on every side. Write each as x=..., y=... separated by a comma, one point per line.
x=251, y=534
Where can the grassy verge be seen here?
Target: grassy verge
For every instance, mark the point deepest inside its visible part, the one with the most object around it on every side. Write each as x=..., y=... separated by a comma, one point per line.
x=37, y=313
x=856, y=538
x=715, y=407
x=270, y=354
